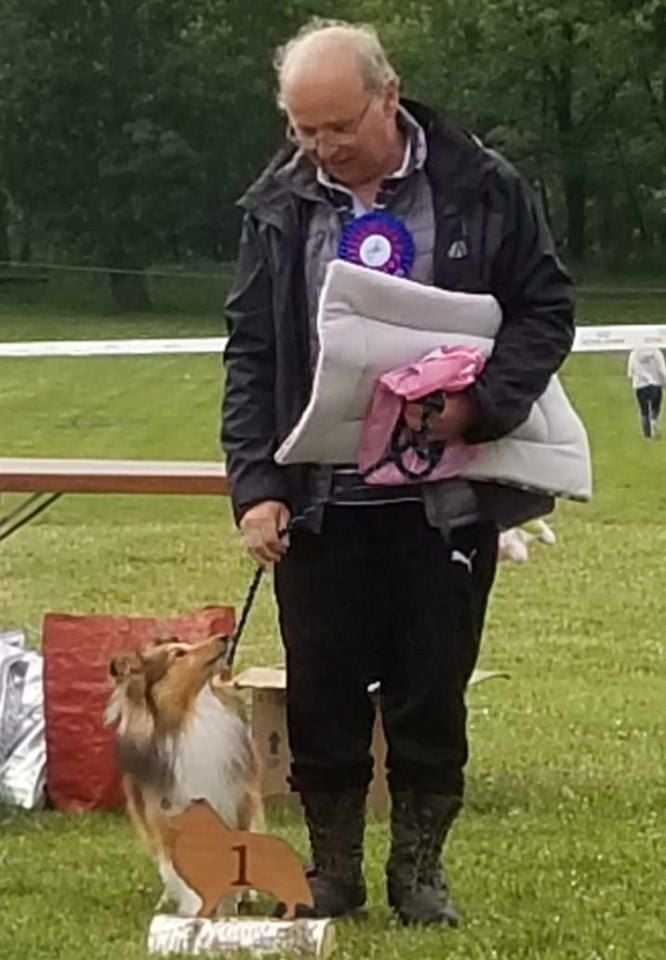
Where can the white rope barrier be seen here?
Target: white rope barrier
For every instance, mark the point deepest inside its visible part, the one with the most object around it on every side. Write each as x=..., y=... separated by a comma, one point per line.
x=112, y=348
x=588, y=340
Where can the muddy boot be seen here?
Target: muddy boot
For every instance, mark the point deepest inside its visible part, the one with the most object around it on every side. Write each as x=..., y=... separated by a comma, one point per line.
x=416, y=882
x=336, y=822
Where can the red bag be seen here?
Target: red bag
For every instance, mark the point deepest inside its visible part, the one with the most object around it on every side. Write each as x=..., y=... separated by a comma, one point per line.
x=81, y=769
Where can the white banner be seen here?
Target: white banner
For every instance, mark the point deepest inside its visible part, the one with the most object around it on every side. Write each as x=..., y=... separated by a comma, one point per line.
x=588, y=340
x=621, y=337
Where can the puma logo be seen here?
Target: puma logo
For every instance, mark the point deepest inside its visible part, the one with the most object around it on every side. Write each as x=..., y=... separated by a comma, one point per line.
x=457, y=556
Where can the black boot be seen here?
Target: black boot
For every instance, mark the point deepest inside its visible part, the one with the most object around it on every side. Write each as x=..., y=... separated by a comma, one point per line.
x=417, y=889
x=336, y=823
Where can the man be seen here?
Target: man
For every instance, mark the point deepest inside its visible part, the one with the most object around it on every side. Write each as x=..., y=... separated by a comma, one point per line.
x=385, y=585
x=647, y=371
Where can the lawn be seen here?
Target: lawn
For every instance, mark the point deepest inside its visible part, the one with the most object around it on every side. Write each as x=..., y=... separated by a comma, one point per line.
x=559, y=852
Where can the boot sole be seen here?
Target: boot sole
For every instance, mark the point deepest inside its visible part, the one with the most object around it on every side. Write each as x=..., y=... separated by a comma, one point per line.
x=434, y=922
x=447, y=920
x=356, y=914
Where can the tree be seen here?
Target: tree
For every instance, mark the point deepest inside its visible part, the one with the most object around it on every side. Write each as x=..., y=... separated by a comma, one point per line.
x=561, y=89
x=130, y=127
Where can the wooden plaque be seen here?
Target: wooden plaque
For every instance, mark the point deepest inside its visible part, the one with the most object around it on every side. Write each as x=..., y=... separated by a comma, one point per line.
x=216, y=862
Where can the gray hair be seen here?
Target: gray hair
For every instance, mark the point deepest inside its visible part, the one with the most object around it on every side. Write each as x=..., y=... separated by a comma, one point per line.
x=374, y=65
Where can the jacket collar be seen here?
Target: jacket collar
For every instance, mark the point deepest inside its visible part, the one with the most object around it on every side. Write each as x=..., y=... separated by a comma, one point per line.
x=457, y=161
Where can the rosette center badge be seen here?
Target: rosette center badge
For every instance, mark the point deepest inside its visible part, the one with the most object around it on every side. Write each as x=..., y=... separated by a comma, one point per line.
x=378, y=241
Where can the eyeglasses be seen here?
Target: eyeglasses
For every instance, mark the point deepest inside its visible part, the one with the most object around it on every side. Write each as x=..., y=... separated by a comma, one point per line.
x=335, y=135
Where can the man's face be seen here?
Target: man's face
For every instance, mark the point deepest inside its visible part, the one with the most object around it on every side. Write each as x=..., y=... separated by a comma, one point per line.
x=342, y=128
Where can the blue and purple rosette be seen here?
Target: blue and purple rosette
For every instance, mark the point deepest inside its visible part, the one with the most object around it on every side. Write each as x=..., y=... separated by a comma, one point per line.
x=378, y=241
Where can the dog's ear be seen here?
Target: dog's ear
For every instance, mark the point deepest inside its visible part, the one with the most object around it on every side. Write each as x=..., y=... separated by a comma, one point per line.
x=224, y=639
x=130, y=684
x=162, y=640
x=154, y=666
x=123, y=665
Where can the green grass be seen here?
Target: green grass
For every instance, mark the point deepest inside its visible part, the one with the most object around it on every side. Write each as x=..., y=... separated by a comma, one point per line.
x=560, y=850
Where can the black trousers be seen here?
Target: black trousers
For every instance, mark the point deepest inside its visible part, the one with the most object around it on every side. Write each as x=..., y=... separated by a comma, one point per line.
x=379, y=595
x=649, y=403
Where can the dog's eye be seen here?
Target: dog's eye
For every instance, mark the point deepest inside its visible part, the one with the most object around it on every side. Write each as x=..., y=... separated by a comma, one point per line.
x=179, y=653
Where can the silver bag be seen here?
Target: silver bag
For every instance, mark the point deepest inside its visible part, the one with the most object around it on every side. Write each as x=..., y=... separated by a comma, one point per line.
x=22, y=733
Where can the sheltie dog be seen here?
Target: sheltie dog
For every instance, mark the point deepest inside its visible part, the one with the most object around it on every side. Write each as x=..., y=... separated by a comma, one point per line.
x=181, y=736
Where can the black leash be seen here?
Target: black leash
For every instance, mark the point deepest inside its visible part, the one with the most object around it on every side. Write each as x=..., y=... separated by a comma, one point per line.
x=403, y=439
x=245, y=613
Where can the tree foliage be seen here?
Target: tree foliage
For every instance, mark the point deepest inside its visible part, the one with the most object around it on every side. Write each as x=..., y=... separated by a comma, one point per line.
x=129, y=127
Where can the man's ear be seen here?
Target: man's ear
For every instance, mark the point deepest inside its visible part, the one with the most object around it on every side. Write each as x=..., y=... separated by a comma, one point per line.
x=392, y=98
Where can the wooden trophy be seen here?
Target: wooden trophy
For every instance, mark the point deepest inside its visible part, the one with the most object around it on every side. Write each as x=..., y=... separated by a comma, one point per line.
x=218, y=864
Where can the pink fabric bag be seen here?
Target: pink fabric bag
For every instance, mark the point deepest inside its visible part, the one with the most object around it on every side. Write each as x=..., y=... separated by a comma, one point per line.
x=447, y=369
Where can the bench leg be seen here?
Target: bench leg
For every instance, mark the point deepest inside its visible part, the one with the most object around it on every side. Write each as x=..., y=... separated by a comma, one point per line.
x=26, y=511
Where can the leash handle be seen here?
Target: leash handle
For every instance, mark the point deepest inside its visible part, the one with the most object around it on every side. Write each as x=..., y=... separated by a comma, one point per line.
x=404, y=439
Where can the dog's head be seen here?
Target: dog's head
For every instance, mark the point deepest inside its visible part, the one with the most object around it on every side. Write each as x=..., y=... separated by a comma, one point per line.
x=154, y=692
x=165, y=678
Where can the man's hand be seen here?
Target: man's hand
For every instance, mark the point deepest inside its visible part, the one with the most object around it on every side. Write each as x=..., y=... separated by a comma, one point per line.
x=447, y=426
x=260, y=528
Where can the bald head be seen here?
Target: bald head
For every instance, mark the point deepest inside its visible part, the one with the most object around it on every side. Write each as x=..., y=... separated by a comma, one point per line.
x=336, y=51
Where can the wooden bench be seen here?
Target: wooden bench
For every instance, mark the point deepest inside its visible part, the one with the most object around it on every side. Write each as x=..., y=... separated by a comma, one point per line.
x=46, y=480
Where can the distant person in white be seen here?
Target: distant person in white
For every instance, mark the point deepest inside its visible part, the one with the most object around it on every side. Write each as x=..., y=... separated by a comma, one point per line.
x=647, y=371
